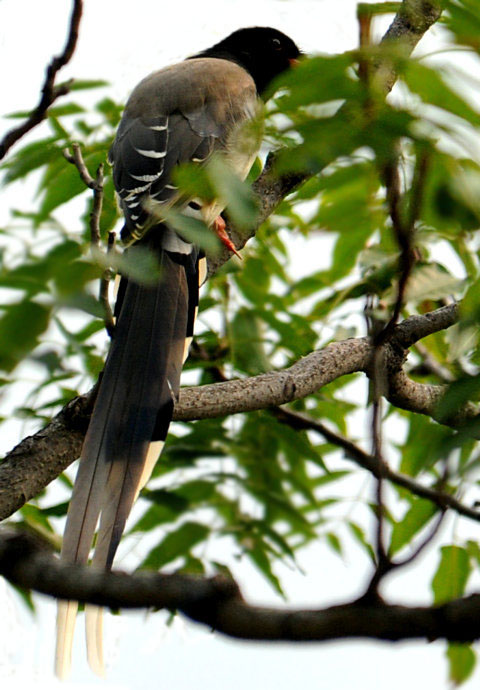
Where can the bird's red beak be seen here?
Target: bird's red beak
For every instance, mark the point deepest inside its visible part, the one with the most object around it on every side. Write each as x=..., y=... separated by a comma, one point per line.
x=294, y=62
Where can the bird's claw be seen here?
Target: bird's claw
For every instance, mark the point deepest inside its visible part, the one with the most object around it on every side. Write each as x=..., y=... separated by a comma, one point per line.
x=219, y=228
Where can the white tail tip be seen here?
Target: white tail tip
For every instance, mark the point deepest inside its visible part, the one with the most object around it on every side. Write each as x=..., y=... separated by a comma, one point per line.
x=94, y=637
x=66, y=614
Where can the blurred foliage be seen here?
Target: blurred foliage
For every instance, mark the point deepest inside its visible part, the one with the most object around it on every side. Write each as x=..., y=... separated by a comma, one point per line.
x=253, y=486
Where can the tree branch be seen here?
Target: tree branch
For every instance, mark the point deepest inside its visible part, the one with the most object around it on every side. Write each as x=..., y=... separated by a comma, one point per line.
x=49, y=92
x=96, y=185
x=40, y=458
x=218, y=603
x=301, y=421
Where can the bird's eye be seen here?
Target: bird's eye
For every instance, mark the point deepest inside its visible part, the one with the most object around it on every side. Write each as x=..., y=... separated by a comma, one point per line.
x=277, y=44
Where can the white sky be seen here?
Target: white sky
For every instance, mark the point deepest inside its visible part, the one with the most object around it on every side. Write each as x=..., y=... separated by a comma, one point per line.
x=122, y=41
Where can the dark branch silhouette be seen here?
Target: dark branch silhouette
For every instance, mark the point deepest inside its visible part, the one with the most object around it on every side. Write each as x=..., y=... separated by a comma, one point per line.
x=218, y=603
x=49, y=92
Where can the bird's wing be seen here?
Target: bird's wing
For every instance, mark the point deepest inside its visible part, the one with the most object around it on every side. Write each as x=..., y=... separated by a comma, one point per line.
x=181, y=113
x=178, y=114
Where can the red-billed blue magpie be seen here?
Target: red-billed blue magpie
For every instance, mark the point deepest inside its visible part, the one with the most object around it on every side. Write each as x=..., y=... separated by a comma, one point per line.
x=185, y=112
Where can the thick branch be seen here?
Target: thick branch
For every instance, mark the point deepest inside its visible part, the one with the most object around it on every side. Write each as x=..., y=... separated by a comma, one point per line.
x=414, y=18
x=425, y=398
x=218, y=603
x=50, y=92
x=39, y=459
x=419, y=326
x=303, y=378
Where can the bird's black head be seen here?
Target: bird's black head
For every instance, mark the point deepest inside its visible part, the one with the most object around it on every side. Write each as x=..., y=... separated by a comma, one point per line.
x=264, y=52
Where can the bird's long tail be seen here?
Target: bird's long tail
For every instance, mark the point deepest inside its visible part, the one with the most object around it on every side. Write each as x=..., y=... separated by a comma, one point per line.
x=130, y=419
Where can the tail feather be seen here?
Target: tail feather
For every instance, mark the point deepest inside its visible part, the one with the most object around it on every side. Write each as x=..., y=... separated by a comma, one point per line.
x=94, y=614
x=133, y=408
x=94, y=639
x=160, y=370
x=66, y=613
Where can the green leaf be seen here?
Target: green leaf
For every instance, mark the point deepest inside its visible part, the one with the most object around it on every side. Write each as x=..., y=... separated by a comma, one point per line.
x=20, y=328
x=428, y=282
x=193, y=181
x=427, y=442
x=194, y=230
x=138, y=263
x=463, y=19
x=331, y=477
x=452, y=574
x=258, y=555
x=176, y=544
x=334, y=542
x=428, y=83
x=81, y=84
x=360, y=537
x=254, y=281
x=65, y=109
x=247, y=343
x=66, y=183
x=305, y=88
x=237, y=195
x=458, y=393
x=169, y=505
x=159, y=514
x=26, y=596
x=58, y=510
x=365, y=9
x=323, y=142
x=110, y=212
x=34, y=275
x=347, y=248
x=474, y=551
x=450, y=200
x=193, y=566
x=30, y=158
x=111, y=111
x=420, y=513
x=461, y=662
x=197, y=491
x=462, y=339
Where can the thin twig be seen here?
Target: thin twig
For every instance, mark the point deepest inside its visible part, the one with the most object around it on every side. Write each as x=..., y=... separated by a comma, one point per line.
x=404, y=229
x=49, y=92
x=423, y=544
x=418, y=189
x=404, y=233
x=404, y=236
x=364, y=19
x=384, y=563
x=299, y=420
x=96, y=184
x=104, y=285
x=97, y=207
x=76, y=159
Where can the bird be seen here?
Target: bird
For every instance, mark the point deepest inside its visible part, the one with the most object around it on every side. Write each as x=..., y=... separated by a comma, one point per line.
x=183, y=113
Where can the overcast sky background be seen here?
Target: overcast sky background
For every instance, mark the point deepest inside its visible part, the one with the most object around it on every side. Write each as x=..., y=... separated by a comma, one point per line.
x=123, y=41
